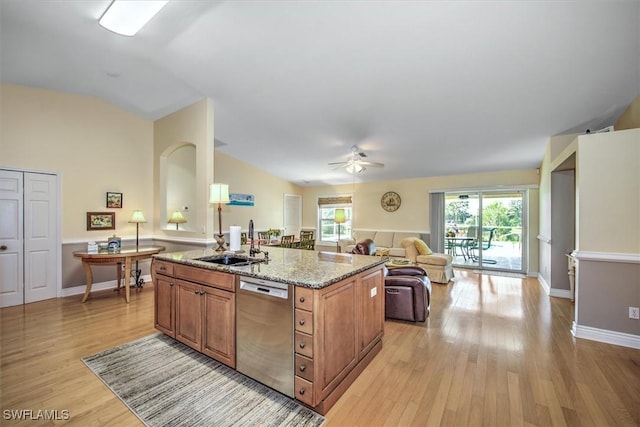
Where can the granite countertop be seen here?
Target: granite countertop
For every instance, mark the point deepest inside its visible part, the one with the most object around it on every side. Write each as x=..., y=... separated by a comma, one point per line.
x=298, y=267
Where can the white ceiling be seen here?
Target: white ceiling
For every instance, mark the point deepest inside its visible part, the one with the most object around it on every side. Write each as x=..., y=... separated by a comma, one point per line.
x=427, y=87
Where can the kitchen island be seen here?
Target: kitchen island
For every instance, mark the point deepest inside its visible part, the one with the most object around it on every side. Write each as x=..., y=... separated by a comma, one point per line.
x=337, y=311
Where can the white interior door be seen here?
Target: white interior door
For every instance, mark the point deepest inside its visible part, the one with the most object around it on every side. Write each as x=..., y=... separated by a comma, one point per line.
x=11, y=239
x=292, y=214
x=40, y=236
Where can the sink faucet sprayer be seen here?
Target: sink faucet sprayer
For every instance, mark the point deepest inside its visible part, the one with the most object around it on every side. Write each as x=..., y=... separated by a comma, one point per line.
x=252, y=250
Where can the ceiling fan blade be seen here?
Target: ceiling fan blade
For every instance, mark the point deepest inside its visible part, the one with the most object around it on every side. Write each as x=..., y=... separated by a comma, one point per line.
x=339, y=163
x=371, y=164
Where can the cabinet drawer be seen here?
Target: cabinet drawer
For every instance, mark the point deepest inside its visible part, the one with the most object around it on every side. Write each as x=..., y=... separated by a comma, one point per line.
x=161, y=267
x=304, y=391
x=304, y=344
x=304, y=321
x=207, y=277
x=304, y=298
x=304, y=367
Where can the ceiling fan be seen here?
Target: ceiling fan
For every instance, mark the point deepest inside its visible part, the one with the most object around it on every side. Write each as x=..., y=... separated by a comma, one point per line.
x=356, y=162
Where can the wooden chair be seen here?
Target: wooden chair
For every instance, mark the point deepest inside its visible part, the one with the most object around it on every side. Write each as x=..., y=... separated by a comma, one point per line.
x=287, y=241
x=263, y=236
x=308, y=244
x=306, y=235
x=243, y=238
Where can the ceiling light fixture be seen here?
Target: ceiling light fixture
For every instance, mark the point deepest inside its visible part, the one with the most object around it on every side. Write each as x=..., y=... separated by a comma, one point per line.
x=355, y=168
x=127, y=17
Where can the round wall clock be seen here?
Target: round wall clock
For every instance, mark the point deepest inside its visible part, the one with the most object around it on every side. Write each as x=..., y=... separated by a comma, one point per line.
x=390, y=201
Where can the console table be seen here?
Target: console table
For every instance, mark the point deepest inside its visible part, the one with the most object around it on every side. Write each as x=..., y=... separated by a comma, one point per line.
x=126, y=255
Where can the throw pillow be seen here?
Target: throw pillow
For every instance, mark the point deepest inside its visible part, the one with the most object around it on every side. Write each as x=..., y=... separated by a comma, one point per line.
x=422, y=247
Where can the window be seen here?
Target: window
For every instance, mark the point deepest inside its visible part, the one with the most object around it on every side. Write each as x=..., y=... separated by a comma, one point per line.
x=329, y=229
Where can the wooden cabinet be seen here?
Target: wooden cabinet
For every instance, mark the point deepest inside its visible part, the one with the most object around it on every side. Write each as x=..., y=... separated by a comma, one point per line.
x=202, y=310
x=338, y=332
x=164, y=296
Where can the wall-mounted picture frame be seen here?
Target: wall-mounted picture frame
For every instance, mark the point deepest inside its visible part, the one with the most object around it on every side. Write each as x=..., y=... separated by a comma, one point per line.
x=239, y=199
x=101, y=221
x=114, y=200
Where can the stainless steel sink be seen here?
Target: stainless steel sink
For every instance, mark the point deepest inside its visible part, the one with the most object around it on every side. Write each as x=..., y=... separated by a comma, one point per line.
x=229, y=260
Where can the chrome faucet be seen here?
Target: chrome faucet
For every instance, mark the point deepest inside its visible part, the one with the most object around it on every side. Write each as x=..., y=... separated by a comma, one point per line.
x=252, y=250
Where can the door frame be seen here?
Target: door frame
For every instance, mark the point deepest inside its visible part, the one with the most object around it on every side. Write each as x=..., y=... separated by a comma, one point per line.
x=480, y=193
x=58, y=220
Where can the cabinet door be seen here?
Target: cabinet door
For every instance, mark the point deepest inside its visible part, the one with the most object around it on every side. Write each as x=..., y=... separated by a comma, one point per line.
x=164, y=314
x=335, y=353
x=219, y=337
x=370, y=310
x=189, y=314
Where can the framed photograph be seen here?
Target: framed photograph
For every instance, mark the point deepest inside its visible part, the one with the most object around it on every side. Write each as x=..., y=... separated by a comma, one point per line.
x=101, y=220
x=114, y=200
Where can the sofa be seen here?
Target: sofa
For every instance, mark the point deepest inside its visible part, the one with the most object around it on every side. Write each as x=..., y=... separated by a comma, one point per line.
x=438, y=266
x=384, y=241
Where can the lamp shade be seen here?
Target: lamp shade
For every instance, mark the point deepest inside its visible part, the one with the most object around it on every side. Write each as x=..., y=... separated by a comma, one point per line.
x=137, y=217
x=177, y=218
x=339, y=216
x=355, y=168
x=219, y=193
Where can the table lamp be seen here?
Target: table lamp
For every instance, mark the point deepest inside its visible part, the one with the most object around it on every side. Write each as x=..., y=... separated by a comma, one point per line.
x=339, y=218
x=177, y=219
x=219, y=193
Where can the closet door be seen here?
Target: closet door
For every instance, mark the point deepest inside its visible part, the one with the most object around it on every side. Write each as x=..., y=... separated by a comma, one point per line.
x=29, y=244
x=11, y=238
x=40, y=236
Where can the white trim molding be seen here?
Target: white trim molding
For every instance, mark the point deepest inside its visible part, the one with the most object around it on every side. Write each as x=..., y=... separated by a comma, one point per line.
x=544, y=284
x=544, y=239
x=607, y=257
x=102, y=286
x=605, y=336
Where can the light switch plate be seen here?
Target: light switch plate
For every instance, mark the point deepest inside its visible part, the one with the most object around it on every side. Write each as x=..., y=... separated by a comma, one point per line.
x=374, y=292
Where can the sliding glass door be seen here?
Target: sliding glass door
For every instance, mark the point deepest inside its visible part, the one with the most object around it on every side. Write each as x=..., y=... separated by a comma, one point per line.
x=485, y=230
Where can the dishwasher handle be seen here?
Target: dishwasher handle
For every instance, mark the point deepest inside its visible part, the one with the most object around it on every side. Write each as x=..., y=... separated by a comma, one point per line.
x=264, y=290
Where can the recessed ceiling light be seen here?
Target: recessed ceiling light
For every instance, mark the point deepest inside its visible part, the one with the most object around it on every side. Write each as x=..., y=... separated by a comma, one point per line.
x=127, y=17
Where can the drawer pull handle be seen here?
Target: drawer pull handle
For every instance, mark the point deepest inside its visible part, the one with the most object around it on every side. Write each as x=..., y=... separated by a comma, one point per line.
x=162, y=268
x=301, y=322
x=171, y=283
x=301, y=391
x=302, y=345
x=303, y=368
x=302, y=299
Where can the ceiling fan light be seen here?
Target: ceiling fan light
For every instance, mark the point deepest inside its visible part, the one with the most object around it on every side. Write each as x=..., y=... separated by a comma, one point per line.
x=355, y=168
x=128, y=17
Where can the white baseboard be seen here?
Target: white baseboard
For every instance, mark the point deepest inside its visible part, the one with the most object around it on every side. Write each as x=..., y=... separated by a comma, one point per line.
x=544, y=284
x=605, y=336
x=552, y=292
x=560, y=293
x=102, y=286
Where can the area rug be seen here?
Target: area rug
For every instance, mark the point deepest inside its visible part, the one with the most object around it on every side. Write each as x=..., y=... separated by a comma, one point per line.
x=166, y=383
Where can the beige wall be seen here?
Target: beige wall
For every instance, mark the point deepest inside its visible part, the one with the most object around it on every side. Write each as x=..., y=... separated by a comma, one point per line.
x=608, y=192
x=413, y=214
x=193, y=125
x=630, y=119
x=269, y=191
x=93, y=146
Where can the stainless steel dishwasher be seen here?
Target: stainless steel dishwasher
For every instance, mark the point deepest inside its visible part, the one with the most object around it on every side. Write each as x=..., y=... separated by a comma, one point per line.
x=264, y=332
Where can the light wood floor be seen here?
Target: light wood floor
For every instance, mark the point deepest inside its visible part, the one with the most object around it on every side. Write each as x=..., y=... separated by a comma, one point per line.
x=495, y=351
